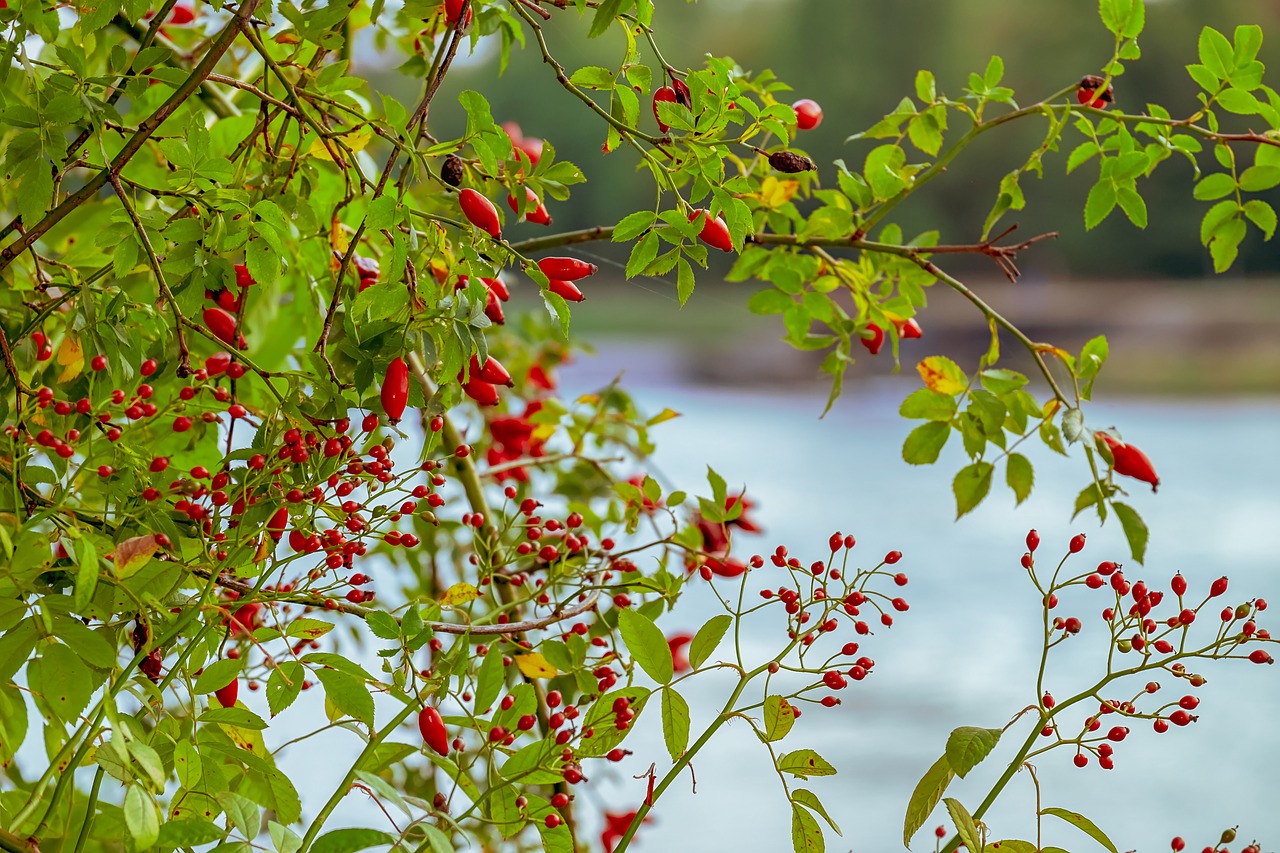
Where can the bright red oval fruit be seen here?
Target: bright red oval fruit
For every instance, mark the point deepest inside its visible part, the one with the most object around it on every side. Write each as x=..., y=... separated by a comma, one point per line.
x=715, y=233
x=217, y=364
x=1132, y=462
x=911, y=329
x=243, y=278
x=667, y=94
x=493, y=308
x=276, y=525
x=566, y=290
x=433, y=731
x=566, y=269
x=227, y=696
x=499, y=288
x=395, y=389
x=808, y=114
x=221, y=324
x=480, y=212
x=484, y=393
x=491, y=371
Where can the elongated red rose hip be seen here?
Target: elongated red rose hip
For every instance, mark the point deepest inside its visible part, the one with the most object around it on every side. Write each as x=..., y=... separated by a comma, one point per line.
x=222, y=324
x=1132, y=462
x=874, y=340
x=484, y=393
x=433, y=731
x=395, y=389
x=243, y=278
x=715, y=233
x=227, y=696
x=480, y=212
x=566, y=269
x=566, y=290
x=491, y=371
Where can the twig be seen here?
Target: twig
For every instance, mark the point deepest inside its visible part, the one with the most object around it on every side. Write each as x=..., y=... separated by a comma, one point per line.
x=184, y=355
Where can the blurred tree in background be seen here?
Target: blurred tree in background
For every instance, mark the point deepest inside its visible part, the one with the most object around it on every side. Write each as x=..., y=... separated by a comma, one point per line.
x=827, y=51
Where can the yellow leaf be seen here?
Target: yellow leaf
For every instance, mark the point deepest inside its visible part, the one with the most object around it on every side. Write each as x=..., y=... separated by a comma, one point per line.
x=662, y=417
x=588, y=399
x=943, y=375
x=1051, y=407
x=775, y=192
x=536, y=666
x=265, y=549
x=355, y=141
x=71, y=357
x=459, y=593
x=337, y=241
x=542, y=432
x=287, y=37
x=132, y=554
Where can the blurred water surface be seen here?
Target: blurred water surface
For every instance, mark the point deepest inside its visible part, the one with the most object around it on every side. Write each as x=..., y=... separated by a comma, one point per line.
x=966, y=653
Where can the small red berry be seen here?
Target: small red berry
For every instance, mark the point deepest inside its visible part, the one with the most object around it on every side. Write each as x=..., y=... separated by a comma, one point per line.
x=808, y=114
x=1077, y=543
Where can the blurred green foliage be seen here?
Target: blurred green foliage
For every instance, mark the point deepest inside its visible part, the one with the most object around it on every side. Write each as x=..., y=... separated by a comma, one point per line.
x=827, y=49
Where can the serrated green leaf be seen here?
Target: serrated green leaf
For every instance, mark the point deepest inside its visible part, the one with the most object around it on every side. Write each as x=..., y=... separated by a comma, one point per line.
x=383, y=625
x=1217, y=185
x=350, y=840
x=811, y=801
x=779, y=717
x=1083, y=824
x=1135, y=529
x=633, y=225
x=925, y=797
x=967, y=746
x=925, y=443
x=1020, y=475
x=218, y=674
x=708, y=638
x=642, y=253
x=804, y=763
x=675, y=723
x=1102, y=200
x=348, y=694
x=141, y=817
x=971, y=485
x=923, y=404
x=806, y=833
x=647, y=645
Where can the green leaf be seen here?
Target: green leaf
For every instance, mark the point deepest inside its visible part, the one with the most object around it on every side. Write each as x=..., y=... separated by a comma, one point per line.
x=883, y=171
x=925, y=442
x=1216, y=53
x=141, y=817
x=923, y=404
x=779, y=717
x=804, y=763
x=284, y=685
x=806, y=833
x=86, y=557
x=1217, y=185
x=685, y=280
x=93, y=16
x=708, y=639
x=1239, y=102
x=925, y=797
x=811, y=801
x=1102, y=200
x=642, y=253
x=1083, y=824
x=1020, y=476
x=240, y=718
x=1083, y=152
x=1016, y=846
x=971, y=485
x=438, y=842
x=1135, y=529
x=189, y=833
x=348, y=694
x=350, y=840
x=1225, y=243
x=1114, y=14
x=593, y=77
x=994, y=73
x=647, y=645
x=218, y=674
x=963, y=821
x=489, y=679
x=1258, y=178
x=242, y=812
x=633, y=225
x=968, y=746
x=61, y=680
x=1262, y=215
x=675, y=723
x=1132, y=205
x=382, y=624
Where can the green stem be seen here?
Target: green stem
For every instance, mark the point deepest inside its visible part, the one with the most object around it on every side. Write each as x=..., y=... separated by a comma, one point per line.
x=89, y=811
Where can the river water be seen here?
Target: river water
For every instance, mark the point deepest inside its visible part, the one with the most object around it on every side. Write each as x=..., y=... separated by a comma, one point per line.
x=967, y=652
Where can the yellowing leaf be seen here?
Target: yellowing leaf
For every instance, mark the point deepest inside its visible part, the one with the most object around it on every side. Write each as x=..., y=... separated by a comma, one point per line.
x=355, y=141
x=132, y=554
x=265, y=549
x=536, y=666
x=337, y=241
x=287, y=37
x=71, y=357
x=662, y=417
x=943, y=375
x=775, y=192
x=459, y=593
x=542, y=432
x=1051, y=407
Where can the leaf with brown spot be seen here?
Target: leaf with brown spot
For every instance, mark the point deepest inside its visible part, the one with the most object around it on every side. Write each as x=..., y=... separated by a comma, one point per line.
x=132, y=554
